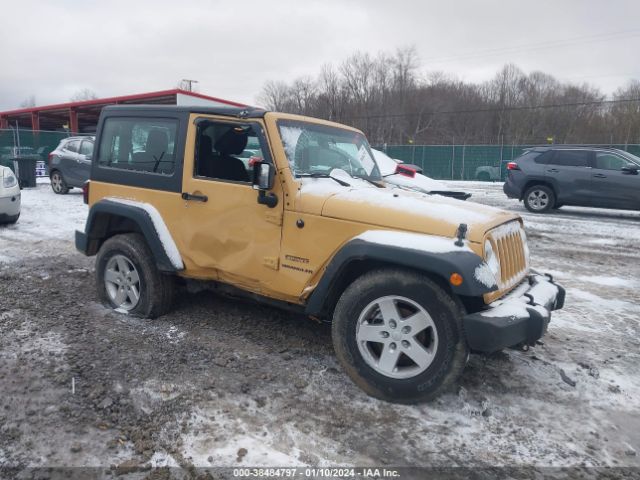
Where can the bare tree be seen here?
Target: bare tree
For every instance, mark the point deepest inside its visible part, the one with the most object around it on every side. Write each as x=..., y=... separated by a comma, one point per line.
x=388, y=98
x=83, y=94
x=28, y=102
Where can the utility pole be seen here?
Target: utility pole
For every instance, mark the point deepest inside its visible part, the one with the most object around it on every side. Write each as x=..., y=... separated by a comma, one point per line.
x=188, y=84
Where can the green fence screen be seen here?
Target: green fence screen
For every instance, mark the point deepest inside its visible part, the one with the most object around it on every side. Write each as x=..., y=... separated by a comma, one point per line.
x=466, y=162
x=446, y=162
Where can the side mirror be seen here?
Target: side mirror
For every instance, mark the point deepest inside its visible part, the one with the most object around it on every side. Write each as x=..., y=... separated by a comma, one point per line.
x=630, y=170
x=263, y=175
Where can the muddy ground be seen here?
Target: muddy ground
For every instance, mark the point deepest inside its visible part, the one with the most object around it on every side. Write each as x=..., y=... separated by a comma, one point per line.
x=220, y=382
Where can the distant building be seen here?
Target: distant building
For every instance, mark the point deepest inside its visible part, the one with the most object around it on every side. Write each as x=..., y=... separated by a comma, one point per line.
x=82, y=116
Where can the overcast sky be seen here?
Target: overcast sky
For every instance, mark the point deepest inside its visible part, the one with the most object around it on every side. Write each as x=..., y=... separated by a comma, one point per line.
x=51, y=49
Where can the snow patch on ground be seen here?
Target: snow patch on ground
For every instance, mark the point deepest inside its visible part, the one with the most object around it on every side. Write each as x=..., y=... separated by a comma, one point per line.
x=46, y=226
x=610, y=281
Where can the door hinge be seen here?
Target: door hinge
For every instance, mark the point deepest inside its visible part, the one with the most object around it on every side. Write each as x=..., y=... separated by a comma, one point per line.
x=271, y=262
x=274, y=217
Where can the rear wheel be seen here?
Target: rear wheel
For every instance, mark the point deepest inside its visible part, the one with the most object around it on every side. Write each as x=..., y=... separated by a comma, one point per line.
x=58, y=185
x=399, y=336
x=539, y=199
x=129, y=281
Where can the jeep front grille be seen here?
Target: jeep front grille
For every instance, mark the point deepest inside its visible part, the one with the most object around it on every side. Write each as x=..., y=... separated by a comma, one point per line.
x=509, y=243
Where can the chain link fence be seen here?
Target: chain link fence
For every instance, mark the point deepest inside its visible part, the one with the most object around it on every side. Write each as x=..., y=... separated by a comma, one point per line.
x=37, y=144
x=466, y=162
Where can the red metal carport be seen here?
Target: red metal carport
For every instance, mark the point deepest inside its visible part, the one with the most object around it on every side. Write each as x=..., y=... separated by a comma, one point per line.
x=83, y=116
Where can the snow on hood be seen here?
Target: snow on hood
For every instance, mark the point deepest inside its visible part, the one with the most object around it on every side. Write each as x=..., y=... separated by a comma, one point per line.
x=411, y=211
x=419, y=182
x=413, y=241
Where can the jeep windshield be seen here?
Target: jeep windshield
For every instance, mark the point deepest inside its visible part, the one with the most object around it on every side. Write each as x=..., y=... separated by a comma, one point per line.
x=317, y=150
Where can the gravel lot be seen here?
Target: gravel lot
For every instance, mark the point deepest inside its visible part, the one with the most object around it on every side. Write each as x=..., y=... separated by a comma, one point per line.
x=225, y=383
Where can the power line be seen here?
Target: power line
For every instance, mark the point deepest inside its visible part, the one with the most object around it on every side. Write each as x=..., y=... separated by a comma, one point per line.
x=504, y=109
x=536, y=46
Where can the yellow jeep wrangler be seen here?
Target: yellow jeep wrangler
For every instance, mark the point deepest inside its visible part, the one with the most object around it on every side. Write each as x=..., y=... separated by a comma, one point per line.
x=292, y=211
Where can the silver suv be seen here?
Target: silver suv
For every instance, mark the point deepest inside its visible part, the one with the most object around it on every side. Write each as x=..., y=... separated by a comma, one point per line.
x=70, y=163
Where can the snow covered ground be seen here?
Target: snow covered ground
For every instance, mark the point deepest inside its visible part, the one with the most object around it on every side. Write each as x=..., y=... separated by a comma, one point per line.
x=219, y=382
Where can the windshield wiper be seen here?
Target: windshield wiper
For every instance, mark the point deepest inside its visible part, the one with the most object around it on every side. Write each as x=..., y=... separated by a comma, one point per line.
x=375, y=184
x=323, y=175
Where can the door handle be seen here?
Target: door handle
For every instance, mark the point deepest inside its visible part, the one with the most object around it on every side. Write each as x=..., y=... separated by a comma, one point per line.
x=195, y=197
x=553, y=170
x=599, y=175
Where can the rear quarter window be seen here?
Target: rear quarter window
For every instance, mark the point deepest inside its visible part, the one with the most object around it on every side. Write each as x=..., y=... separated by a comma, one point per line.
x=570, y=158
x=140, y=144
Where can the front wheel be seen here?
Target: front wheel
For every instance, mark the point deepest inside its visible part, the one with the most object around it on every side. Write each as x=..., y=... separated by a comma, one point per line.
x=399, y=336
x=128, y=280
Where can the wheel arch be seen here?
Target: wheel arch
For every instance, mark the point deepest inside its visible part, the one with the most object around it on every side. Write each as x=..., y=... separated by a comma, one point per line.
x=110, y=217
x=358, y=257
x=539, y=181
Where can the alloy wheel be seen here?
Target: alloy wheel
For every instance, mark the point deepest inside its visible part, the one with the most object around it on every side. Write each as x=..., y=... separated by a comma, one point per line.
x=538, y=199
x=396, y=337
x=122, y=282
x=56, y=182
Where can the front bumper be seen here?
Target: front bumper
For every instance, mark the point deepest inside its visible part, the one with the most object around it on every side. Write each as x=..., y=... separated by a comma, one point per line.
x=10, y=205
x=521, y=317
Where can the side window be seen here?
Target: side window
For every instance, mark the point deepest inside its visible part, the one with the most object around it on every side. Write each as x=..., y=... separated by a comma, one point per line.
x=143, y=145
x=226, y=151
x=570, y=158
x=86, y=148
x=544, y=158
x=73, y=146
x=610, y=161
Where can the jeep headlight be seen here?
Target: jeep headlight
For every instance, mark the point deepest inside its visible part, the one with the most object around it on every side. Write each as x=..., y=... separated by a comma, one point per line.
x=492, y=260
x=9, y=180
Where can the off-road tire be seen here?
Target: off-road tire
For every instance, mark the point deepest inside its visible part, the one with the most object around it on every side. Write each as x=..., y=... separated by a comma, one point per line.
x=58, y=185
x=451, y=353
x=156, y=288
x=543, y=192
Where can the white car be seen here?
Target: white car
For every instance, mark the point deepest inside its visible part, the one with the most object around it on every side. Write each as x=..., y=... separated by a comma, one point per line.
x=9, y=196
x=410, y=176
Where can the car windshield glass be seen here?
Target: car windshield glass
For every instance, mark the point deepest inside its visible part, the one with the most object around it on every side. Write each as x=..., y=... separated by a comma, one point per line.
x=319, y=149
x=631, y=157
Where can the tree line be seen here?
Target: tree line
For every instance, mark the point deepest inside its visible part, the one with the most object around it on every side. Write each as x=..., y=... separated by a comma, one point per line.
x=388, y=97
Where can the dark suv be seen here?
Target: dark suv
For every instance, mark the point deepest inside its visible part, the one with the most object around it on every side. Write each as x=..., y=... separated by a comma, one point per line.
x=550, y=177
x=70, y=163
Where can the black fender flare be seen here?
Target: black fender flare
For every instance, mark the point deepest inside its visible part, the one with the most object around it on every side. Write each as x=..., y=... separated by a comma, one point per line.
x=442, y=264
x=97, y=229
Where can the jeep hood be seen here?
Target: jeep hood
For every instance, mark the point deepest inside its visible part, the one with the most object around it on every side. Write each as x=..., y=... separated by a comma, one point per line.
x=399, y=209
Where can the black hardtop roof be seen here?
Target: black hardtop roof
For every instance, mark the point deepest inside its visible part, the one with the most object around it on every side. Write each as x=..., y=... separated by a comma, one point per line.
x=238, y=112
